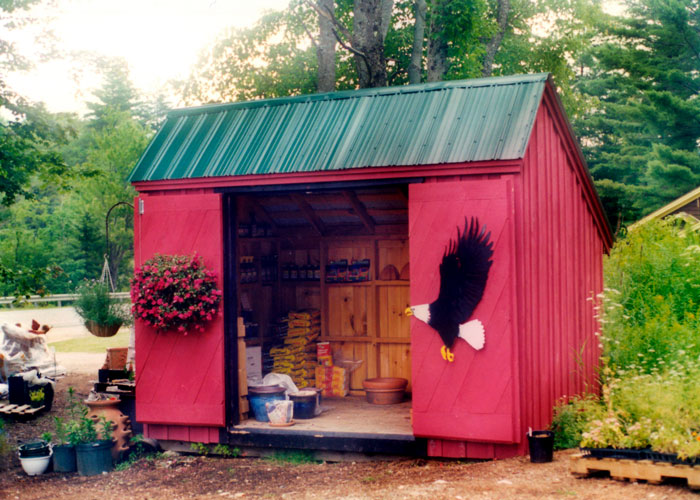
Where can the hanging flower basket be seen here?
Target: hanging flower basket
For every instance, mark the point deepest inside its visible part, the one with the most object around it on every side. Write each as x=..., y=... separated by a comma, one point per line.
x=102, y=330
x=102, y=315
x=175, y=293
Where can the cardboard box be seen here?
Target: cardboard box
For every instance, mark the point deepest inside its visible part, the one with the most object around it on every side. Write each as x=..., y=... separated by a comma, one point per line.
x=324, y=355
x=253, y=362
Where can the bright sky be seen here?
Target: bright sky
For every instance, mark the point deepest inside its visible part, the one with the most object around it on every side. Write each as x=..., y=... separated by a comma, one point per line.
x=160, y=39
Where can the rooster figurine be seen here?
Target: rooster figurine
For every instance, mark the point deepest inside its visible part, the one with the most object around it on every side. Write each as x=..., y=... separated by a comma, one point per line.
x=463, y=273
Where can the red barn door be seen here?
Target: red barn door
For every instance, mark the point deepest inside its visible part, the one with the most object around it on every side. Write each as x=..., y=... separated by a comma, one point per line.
x=180, y=378
x=473, y=398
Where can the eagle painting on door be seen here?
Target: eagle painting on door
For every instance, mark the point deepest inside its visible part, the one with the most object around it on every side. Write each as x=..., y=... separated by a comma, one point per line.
x=466, y=391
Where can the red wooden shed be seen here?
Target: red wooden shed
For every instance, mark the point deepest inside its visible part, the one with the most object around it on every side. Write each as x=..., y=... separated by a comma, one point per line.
x=386, y=175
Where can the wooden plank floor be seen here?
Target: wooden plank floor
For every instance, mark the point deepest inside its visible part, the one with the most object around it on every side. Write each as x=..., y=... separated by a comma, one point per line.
x=349, y=415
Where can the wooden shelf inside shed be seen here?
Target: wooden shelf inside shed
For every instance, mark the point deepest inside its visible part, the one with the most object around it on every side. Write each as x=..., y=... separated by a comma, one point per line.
x=363, y=320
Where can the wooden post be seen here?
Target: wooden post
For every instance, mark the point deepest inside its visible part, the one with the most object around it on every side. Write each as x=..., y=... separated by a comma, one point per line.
x=242, y=375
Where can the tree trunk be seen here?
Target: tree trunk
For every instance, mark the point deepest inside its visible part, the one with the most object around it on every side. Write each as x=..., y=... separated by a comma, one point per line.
x=325, y=51
x=437, y=44
x=416, y=66
x=495, y=41
x=371, y=20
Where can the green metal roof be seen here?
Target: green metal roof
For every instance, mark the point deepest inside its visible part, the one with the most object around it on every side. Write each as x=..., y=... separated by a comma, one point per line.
x=443, y=122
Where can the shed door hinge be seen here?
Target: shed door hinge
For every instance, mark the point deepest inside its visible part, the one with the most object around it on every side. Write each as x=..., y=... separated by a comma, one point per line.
x=141, y=208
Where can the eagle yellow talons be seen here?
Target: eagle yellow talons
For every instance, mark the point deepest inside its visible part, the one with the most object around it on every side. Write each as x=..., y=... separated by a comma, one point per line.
x=447, y=355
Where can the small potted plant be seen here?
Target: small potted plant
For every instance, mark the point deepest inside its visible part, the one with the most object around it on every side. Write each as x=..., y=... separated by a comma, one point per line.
x=35, y=456
x=93, y=447
x=103, y=315
x=36, y=398
x=64, y=449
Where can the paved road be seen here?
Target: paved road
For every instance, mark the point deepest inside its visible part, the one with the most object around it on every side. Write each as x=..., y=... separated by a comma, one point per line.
x=65, y=324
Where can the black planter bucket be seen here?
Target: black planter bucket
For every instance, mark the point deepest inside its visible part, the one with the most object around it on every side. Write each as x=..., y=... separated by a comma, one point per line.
x=64, y=458
x=34, y=449
x=541, y=445
x=94, y=458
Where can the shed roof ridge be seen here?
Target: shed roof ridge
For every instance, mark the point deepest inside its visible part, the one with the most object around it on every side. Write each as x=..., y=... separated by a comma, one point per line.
x=364, y=93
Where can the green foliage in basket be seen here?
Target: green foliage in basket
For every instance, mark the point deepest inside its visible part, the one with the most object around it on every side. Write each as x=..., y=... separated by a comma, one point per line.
x=95, y=304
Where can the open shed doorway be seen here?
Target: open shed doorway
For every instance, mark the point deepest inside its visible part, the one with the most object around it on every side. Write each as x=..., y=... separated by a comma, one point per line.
x=289, y=248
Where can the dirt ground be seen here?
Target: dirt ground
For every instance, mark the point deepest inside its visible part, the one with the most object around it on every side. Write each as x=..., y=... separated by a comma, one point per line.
x=175, y=476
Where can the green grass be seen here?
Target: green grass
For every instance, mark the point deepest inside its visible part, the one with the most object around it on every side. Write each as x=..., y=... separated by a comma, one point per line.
x=292, y=457
x=92, y=343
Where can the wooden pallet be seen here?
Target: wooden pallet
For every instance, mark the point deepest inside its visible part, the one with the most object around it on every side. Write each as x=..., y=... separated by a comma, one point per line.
x=19, y=411
x=635, y=470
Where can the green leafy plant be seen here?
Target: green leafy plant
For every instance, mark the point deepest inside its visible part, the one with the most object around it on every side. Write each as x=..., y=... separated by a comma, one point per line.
x=650, y=308
x=94, y=304
x=138, y=451
x=36, y=395
x=649, y=314
x=66, y=429
x=571, y=418
x=226, y=451
x=46, y=436
x=200, y=448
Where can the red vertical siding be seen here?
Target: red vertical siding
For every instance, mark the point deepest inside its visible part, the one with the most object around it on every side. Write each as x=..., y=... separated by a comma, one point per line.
x=559, y=270
x=180, y=378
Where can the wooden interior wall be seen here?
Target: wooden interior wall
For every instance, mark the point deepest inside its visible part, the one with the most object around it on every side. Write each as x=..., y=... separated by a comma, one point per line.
x=364, y=321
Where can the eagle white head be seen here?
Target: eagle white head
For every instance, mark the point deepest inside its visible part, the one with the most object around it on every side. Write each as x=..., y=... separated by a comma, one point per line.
x=421, y=312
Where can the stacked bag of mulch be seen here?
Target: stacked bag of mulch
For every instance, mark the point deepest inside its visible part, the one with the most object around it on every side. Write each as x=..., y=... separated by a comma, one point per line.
x=297, y=356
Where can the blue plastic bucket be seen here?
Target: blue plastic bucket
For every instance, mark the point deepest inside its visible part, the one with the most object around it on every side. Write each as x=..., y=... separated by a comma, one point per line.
x=305, y=403
x=260, y=395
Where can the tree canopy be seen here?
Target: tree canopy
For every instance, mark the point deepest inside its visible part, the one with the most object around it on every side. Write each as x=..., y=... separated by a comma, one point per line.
x=642, y=133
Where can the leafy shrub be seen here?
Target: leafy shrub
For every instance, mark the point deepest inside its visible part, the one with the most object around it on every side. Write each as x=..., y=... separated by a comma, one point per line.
x=650, y=335
x=659, y=409
x=650, y=309
x=570, y=419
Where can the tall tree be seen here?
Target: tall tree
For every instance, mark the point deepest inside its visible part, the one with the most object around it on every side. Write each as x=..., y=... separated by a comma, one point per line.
x=28, y=133
x=642, y=137
x=415, y=68
x=325, y=49
x=494, y=43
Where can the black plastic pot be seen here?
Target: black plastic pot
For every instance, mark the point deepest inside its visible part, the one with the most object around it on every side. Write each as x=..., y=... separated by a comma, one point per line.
x=541, y=445
x=94, y=458
x=64, y=458
x=34, y=449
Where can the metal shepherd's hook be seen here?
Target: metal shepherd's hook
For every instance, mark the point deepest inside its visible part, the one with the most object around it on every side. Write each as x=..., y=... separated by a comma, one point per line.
x=105, y=269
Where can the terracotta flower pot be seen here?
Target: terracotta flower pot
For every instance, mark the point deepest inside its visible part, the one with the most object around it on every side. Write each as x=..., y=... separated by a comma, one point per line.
x=384, y=390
